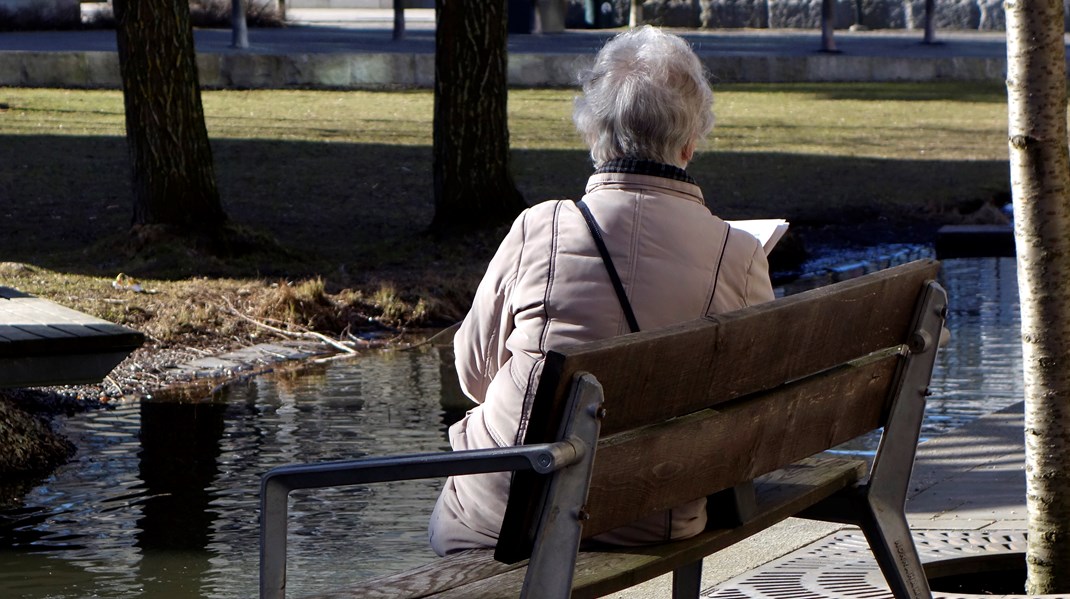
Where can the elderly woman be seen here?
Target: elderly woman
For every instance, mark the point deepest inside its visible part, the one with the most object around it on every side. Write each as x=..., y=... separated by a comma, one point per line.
x=645, y=107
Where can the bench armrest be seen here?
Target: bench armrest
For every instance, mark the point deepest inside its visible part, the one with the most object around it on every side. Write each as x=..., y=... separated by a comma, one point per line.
x=276, y=484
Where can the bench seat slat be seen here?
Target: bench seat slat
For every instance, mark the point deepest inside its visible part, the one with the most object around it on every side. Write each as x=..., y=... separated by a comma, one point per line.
x=779, y=495
x=430, y=579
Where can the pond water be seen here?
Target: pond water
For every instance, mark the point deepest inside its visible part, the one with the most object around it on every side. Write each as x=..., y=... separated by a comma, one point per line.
x=161, y=500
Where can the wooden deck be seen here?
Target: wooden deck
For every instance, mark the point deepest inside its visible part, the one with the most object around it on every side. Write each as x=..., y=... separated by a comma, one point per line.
x=44, y=344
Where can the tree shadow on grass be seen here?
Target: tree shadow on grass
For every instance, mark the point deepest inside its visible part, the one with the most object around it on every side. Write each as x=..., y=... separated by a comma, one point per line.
x=987, y=92
x=357, y=211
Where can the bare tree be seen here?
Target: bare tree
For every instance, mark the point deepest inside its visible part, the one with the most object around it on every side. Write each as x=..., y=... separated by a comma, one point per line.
x=173, y=173
x=473, y=185
x=1040, y=183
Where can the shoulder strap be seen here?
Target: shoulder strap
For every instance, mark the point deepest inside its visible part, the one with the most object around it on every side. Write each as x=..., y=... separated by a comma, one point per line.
x=717, y=273
x=613, y=276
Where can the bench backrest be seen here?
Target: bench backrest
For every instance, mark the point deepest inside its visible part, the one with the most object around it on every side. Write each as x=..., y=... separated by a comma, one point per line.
x=703, y=406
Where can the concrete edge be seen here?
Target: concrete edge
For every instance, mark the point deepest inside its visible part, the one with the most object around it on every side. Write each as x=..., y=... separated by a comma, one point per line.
x=416, y=70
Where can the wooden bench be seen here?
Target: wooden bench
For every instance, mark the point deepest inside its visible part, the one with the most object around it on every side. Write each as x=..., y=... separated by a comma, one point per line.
x=740, y=405
x=44, y=344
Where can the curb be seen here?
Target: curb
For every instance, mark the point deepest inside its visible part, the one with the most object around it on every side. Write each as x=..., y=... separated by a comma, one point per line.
x=416, y=70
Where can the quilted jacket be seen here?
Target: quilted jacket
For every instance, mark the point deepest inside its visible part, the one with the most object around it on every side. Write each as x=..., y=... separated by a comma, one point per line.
x=548, y=288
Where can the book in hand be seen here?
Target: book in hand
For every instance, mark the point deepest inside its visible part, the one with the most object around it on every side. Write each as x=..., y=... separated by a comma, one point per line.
x=767, y=230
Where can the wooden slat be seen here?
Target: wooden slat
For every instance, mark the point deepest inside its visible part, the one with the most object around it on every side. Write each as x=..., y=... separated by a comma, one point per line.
x=53, y=312
x=77, y=330
x=656, y=467
x=780, y=495
x=10, y=333
x=43, y=331
x=32, y=310
x=652, y=376
x=430, y=579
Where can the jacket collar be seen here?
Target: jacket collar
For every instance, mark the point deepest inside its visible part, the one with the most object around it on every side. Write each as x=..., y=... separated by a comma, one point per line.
x=640, y=166
x=629, y=181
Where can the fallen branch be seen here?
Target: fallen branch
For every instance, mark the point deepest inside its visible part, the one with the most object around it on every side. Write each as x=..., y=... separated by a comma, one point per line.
x=306, y=334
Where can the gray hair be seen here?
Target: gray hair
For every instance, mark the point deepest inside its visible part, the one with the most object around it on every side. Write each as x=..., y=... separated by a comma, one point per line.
x=646, y=96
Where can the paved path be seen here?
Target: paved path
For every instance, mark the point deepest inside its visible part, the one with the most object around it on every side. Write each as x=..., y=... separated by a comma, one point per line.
x=353, y=49
x=968, y=487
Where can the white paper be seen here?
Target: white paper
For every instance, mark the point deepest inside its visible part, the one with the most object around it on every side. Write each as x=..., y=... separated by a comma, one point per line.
x=767, y=230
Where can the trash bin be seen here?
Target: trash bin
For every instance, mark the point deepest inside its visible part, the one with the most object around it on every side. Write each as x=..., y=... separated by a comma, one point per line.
x=521, y=16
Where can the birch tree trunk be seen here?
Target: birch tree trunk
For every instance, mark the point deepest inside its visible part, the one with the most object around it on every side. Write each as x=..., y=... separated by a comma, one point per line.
x=473, y=185
x=1040, y=183
x=635, y=15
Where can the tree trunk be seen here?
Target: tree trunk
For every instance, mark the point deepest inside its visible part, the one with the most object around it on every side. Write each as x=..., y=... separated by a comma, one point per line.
x=399, y=20
x=239, y=30
x=930, y=22
x=635, y=15
x=173, y=174
x=473, y=186
x=1040, y=182
x=828, y=26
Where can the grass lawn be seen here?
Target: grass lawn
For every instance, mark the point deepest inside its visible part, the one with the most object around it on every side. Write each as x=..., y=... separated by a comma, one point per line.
x=342, y=180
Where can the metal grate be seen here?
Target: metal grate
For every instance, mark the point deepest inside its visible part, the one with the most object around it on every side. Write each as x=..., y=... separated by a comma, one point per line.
x=840, y=566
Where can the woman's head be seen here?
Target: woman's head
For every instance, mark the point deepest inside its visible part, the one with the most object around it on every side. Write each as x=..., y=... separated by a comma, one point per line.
x=646, y=96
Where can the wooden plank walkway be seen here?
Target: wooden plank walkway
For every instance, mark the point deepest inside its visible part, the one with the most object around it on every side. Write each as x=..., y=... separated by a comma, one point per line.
x=43, y=343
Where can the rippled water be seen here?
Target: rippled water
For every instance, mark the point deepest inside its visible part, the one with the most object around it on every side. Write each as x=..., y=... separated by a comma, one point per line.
x=980, y=370
x=161, y=500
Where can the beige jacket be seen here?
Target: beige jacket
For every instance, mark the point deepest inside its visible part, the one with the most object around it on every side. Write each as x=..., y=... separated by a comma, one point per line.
x=548, y=288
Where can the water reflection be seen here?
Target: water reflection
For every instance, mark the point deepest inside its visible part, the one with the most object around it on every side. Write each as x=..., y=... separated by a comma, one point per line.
x=161, y=500
x=980, y=370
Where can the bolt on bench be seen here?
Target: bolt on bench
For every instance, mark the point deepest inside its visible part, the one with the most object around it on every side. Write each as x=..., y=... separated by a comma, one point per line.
x=739, y=406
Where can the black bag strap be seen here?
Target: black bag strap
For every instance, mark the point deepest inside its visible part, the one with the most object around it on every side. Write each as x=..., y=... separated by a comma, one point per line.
x=613, y=276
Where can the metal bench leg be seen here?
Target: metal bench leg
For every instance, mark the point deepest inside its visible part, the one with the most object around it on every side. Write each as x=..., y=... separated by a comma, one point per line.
x=878, y=506
x=687, y=581
x=888, y=534
x=883, y=518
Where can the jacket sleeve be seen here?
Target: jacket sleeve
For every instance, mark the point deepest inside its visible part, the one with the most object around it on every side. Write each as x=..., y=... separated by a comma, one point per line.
x=479, y=345
x=759, y=287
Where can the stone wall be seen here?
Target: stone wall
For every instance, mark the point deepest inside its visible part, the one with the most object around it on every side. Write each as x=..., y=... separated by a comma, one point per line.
x=979, y=15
